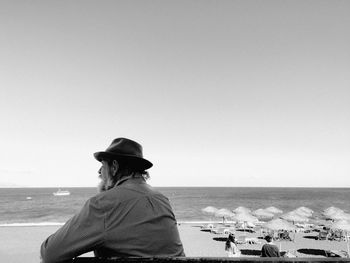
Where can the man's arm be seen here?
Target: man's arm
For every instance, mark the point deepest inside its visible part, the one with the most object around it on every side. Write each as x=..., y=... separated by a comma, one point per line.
x=278, y=253
x=82, y=233
x=263, y=253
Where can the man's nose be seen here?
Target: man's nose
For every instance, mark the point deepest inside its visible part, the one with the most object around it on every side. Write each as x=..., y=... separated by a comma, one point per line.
x=99, y=170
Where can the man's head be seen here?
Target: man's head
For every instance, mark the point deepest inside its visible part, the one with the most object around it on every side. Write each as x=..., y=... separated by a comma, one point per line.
x=108, y=175
x=268, y=238
x=122, y=158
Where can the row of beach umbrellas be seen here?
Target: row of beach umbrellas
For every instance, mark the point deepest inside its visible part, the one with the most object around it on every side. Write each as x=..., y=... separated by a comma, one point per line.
x=242, y=213
x=299, y=215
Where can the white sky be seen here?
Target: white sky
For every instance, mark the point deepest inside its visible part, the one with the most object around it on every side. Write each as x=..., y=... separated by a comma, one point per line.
x=219, y=93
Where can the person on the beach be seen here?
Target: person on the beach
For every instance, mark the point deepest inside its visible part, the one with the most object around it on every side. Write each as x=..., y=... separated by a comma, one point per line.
x=231, y=246
x=127, y=218
x=270, y=249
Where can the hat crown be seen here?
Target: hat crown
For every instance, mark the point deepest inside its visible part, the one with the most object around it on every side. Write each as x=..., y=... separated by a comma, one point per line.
x=126, y=147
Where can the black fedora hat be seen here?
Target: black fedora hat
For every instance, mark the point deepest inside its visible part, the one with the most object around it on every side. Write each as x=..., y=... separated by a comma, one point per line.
x=125, y=149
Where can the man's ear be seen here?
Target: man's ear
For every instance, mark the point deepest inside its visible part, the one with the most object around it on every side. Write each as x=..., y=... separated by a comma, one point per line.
x=115, y=167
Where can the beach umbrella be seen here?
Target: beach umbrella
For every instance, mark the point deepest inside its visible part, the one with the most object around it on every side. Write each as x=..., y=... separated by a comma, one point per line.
x=294, y=217
x=340, y=215
x=242, y=209
x=304, y=211
x=262, y=213
x=279, y=224
x=331, y=210
x=301, y=213
x=274, y=210
x=245, y=217
x=209, y=210
x=224, y=213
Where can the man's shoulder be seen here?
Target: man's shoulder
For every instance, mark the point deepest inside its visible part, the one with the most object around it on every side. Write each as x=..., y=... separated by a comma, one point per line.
x=136, y=189
x=265, y=246
x=124, y=193
x=273, y=246
x=103, y=199
x=269, y=245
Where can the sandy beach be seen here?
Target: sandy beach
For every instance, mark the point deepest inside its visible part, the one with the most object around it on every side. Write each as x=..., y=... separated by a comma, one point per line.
x=22, y=243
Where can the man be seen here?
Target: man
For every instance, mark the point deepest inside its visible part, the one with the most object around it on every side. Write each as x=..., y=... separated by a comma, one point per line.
x=127, y=218
x=270, y=249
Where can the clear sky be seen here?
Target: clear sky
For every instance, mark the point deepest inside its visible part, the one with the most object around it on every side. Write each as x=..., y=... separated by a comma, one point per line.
x=219, y=93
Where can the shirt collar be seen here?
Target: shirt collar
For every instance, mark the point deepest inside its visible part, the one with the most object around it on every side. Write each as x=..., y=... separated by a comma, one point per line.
x=126, y=178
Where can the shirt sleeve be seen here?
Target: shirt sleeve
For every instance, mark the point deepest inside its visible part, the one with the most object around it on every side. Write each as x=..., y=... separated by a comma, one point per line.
x=278, y=253
x=82, y=233
x=263, y=254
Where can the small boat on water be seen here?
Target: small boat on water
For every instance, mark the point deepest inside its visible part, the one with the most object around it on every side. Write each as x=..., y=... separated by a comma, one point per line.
x=29, y=198
x=61, y=192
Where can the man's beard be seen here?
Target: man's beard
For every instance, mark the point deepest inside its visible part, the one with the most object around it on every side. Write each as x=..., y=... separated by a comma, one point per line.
x=104, y=185
x=101, y=186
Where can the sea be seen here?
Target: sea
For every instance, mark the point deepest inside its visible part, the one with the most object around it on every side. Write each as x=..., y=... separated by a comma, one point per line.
x=38, y=206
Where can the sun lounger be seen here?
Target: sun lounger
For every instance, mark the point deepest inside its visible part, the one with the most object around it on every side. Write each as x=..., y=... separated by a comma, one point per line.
x=288, y=254
x=250, y=230
x=219, y=230
x=207, y=227
x=210, y=225
x=241, y=240
x=305, y=228
x=252, y=240
x=336, y=253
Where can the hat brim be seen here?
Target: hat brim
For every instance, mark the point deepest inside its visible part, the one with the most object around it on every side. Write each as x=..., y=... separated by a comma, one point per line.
x=137, y=162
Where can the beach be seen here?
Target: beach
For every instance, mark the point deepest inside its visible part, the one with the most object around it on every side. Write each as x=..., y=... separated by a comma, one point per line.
x=22, y=243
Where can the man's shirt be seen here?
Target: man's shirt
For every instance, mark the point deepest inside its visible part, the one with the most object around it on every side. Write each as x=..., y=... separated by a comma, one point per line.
x=270, y=250
x=130, y=219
